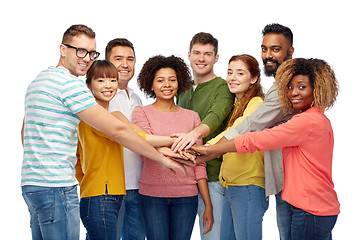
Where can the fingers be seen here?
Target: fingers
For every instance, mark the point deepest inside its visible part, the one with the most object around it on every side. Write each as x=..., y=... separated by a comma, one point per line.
x=208, y=224
x=185, y=162
x=179, y=144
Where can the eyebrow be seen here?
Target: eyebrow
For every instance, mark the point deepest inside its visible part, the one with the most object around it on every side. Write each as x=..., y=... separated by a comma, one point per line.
x=123, y=56
x=272, y=46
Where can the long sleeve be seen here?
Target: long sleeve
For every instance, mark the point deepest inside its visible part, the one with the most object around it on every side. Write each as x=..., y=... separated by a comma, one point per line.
x=289, y=134
x=251, y=107
x=220, y=108
x=266, y=115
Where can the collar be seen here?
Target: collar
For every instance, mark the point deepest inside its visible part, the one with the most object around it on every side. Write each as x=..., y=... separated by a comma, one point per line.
x=122, y=91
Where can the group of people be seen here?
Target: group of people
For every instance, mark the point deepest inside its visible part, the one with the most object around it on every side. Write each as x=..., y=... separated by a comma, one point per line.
x=208, y=146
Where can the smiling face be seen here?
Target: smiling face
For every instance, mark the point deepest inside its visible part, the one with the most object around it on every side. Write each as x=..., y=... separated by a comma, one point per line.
x=202, y=59
x=123, y=59
x=103, y=89
x=275, y=49
x=165, y=84
x=77, y=66
x=300, y=92
x=239, y=78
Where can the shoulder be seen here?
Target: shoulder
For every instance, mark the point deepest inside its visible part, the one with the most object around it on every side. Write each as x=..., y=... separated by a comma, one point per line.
x=256, y=101
x=143, y=109
x=218, y=81
x=187, y=112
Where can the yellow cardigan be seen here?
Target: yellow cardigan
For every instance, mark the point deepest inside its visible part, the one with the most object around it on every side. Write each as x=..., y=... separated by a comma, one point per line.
x=100, y=165
x=242, y=169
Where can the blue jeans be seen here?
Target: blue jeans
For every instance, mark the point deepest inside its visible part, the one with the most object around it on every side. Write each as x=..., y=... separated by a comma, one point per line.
x=244, y=209
x=169, y=218
x=99, y=215
x=307, y=226
x=217, y=200
x=54, y=212
x=283, y=217
x=131, y=221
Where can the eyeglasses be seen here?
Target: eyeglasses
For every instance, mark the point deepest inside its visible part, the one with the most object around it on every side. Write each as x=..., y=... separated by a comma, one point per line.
x=81, y=52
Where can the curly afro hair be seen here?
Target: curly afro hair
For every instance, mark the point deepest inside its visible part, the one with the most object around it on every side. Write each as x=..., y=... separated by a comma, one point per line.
x=153, y=64
x=321, y=77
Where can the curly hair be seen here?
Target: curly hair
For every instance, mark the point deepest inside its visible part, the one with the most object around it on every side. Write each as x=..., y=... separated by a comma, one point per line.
x=152, y=65
x=321, y=77
x=255, y=90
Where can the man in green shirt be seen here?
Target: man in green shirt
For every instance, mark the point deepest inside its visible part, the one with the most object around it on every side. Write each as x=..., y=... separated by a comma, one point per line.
x=212, y=100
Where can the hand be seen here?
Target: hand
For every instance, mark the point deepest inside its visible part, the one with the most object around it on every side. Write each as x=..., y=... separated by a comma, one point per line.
x=185, y=162
x=201, y=149
x=181, y=154
x=171, y=165
x=183, y=141
x=208, y=220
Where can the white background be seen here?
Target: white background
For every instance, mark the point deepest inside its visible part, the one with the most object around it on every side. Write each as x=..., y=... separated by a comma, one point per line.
x=31, y=33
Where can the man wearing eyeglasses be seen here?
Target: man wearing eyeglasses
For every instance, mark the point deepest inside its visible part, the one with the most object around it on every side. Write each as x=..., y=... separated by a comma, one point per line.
x=55, y=102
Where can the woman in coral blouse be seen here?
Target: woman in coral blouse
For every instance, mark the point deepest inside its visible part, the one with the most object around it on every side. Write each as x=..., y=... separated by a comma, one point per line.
x=308, y=86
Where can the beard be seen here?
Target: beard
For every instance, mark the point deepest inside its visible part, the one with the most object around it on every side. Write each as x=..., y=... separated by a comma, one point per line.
x=271, y=72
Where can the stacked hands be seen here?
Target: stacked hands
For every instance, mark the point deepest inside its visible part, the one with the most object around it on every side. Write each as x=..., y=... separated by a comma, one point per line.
x=185, y=151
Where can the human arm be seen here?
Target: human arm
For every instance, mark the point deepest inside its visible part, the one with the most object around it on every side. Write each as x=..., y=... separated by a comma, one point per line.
x=78, y=169
x=22, y=132
x=290, y=134
x=99, y=118
x=186, y=140
x=215, y=104
x=153, y=140
x=208, y=218
x=217, y=149
x=268, y=114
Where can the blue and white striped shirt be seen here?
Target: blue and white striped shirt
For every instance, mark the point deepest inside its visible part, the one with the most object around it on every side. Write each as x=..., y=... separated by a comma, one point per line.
x=50, y=128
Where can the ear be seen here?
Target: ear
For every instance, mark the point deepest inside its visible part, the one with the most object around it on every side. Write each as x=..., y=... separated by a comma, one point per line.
x=291, y=51
x=62, y=50
x=216, y=58
x=189, y=55
x=253, y=80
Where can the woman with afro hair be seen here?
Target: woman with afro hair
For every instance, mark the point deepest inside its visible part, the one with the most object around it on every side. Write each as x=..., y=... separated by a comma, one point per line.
x=169, y=201
x=308, y=87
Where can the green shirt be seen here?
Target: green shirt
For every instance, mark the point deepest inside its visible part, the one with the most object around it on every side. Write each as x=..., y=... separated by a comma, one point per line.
x=213, y=102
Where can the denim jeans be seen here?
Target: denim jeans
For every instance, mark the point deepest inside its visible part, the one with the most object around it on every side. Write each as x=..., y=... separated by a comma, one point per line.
x=131, y=221
x=99, y=215
x=283, y=217
x=243, y=214
x=307, y=226
x=169, y=218
x=217, y=199
x=54, y=212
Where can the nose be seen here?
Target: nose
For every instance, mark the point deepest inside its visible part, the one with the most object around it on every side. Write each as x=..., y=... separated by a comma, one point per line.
x=230, y=77
x=166, y=83
x=268, y=54
x=107, y=84
x=201, y=57
x=124, y=63
x=294, y=92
